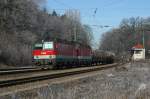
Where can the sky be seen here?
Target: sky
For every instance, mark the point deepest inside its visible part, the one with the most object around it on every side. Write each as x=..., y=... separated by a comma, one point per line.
x=109, y=12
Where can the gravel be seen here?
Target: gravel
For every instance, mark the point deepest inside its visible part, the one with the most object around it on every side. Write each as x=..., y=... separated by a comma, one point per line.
x=130, y=81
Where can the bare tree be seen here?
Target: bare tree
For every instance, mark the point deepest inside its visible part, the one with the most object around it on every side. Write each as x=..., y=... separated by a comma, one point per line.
x=24, y=22
x=129, y=33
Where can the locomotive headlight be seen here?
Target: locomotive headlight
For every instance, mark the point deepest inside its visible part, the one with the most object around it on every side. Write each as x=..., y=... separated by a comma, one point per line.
x=50, y=56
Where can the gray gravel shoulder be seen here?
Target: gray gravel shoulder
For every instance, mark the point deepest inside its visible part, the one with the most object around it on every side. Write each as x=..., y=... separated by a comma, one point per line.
x=131, y=81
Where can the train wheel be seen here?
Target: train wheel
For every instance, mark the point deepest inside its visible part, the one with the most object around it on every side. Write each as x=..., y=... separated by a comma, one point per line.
x=55, y=66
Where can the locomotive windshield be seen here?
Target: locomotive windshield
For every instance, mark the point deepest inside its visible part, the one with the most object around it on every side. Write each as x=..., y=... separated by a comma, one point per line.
x=48, y=45
x=38, y=47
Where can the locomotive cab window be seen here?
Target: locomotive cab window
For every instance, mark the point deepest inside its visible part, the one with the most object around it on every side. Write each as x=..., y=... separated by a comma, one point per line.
x=37, y=47
x=48, y=45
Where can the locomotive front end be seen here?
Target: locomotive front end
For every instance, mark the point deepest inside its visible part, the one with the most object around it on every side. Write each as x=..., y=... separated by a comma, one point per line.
x=44, y=53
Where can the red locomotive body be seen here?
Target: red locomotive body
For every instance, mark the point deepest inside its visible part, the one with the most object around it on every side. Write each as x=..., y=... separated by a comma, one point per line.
x=44, y=53
x=61, y=53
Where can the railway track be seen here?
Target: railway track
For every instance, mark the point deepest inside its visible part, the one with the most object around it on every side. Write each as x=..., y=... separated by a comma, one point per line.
x=50, y=75
x=18, y=70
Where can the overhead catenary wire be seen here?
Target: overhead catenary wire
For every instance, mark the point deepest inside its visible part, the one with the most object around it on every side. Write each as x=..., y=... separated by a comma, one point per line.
x=93, y=11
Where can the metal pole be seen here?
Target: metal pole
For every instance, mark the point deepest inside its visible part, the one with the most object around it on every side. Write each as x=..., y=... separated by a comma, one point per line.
x=143, y=39
x=75, y=34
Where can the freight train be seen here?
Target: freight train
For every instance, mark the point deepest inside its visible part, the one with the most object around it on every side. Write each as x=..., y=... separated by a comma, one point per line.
x=60, y=54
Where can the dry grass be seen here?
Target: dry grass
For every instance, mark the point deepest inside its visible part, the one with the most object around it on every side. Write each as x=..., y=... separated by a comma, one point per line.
x=128, y=82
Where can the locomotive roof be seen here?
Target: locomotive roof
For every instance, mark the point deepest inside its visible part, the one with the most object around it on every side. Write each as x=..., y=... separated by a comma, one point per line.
x=68, y=42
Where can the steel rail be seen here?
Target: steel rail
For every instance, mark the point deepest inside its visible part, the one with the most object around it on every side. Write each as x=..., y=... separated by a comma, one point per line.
x=16, y=68
x=52, y=76
x=20, y=71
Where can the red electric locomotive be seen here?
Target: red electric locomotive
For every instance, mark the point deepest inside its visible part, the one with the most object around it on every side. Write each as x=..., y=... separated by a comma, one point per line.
x=61, y=54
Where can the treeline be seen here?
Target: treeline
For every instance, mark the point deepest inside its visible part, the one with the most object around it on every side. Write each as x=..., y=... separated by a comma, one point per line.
x=130, y=32
x=24, y=22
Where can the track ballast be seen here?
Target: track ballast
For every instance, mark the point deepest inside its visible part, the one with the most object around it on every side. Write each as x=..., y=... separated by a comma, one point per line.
x=51, y=75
